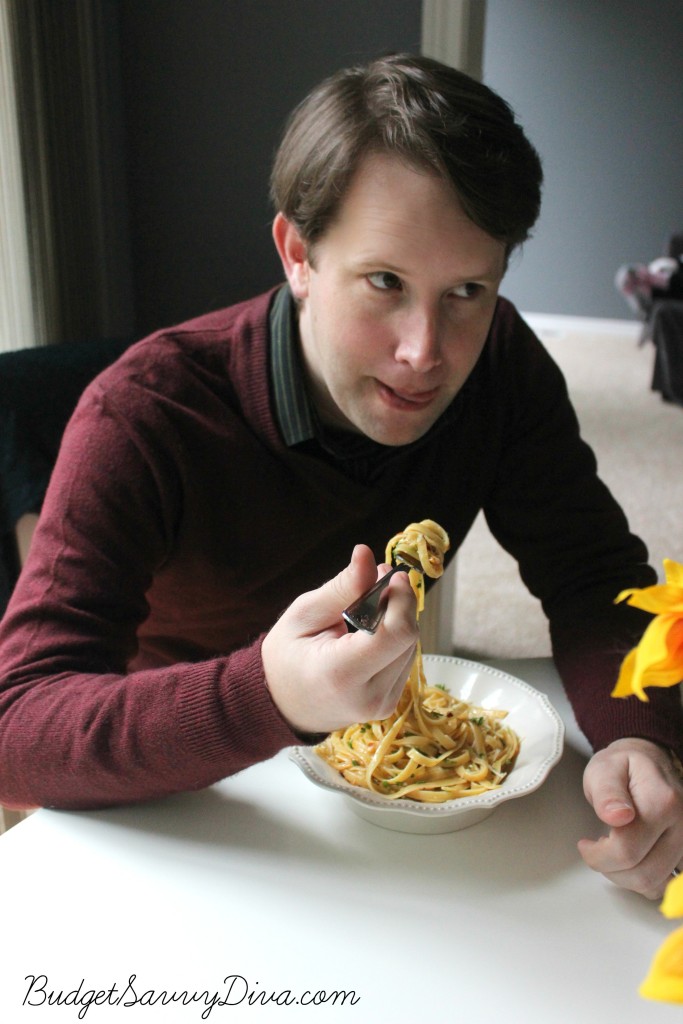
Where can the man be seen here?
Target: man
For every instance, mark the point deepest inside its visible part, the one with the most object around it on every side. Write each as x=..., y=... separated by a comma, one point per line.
x=155, y=641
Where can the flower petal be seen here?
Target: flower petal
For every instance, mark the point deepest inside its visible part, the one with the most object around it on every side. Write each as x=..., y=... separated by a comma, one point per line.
x=626, y=686
x=672, y=904
x=656, y=661
x=660, y=646
x=674, y=572
x=664, y=981
x=660, y=598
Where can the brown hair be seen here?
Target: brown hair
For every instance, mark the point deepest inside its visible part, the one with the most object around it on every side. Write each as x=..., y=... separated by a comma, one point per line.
x=428, y=114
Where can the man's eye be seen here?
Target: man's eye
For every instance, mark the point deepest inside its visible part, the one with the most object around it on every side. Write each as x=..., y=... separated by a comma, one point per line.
x=467, y=291
x=385, y=281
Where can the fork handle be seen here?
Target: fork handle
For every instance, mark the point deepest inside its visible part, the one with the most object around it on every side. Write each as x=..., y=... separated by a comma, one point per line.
x=368, y=611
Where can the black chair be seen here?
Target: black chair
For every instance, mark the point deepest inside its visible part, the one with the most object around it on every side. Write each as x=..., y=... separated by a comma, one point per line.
x=665, y=330
x=667, y=338
x=39, y=389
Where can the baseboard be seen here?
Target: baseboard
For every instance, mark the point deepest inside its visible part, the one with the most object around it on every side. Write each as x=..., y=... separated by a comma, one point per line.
x=554, y=325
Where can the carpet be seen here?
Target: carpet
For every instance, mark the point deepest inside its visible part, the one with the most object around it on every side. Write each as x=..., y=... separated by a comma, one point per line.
x=638, y=442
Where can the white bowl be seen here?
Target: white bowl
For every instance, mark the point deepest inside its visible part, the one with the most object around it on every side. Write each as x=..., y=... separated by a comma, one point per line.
x=531, y=715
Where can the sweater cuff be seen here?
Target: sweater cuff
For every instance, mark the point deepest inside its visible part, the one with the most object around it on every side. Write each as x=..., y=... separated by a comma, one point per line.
x=589, y=679
x=228, y=716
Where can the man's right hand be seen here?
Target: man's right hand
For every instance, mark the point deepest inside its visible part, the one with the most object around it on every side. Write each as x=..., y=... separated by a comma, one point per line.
x=320, y=676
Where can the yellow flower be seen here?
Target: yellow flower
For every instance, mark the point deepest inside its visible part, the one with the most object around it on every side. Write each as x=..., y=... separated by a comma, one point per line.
x=672, y=904
x=665, y=979
x=658, y=658
x=658, y=661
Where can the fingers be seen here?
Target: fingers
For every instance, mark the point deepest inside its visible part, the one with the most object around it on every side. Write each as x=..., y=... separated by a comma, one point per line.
x=632, y=789
x=318, y=613
x=631, y=862
x=620, y=852
x=383, y=691
x=373, y=669
x=322, y=677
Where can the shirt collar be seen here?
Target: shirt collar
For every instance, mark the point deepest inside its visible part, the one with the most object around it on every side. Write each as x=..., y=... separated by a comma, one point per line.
x=292, y=408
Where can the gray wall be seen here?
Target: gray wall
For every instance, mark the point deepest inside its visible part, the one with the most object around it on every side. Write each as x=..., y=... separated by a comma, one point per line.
x=599, y=88
x=206, y=86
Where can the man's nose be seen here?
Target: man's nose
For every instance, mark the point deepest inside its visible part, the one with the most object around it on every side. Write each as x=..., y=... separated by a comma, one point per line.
x=419, y=342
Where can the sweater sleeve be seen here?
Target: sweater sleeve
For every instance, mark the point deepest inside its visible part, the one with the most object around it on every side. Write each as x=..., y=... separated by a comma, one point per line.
x=551, y=511
x=77, y=728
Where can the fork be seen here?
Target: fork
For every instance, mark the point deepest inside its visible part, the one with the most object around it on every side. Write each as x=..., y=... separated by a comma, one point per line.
x=368, y=610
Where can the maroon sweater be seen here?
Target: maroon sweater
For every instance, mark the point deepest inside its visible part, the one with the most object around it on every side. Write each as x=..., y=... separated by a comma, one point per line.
x=178, y=526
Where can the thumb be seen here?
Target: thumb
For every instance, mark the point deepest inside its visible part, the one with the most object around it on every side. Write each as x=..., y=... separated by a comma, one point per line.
x=611, y=799
x=358, y=576
x=325, y=605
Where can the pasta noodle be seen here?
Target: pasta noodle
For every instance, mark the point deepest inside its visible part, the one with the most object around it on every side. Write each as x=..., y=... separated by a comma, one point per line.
x=435, y=747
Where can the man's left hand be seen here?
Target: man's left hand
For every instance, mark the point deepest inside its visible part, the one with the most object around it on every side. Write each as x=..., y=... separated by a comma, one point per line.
x=634, y=788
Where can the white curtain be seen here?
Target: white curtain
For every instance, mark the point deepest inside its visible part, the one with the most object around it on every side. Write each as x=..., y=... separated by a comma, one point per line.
x=60, y=59
x=453, y=32
x=17, y=329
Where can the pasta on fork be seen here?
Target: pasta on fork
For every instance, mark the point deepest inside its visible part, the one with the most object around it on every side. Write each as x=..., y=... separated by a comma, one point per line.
x=435, y=747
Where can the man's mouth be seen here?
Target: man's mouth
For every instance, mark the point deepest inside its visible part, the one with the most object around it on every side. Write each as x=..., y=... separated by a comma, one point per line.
x=405, y=399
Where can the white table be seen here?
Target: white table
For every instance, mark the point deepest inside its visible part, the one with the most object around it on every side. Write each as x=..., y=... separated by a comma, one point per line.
x=267, y=878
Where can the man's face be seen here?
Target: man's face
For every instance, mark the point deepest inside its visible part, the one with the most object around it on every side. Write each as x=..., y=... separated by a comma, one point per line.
x=395, y=302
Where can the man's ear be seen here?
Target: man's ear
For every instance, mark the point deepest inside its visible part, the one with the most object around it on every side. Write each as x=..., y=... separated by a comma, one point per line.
x=294, y=255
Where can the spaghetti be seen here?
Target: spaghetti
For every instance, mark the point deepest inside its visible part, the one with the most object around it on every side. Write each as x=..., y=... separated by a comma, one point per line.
x=434, y=747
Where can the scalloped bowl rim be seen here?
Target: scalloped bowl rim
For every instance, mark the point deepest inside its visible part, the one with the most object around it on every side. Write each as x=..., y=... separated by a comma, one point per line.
x=479, y=684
